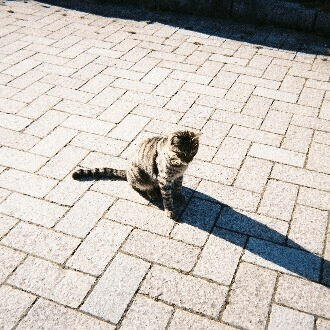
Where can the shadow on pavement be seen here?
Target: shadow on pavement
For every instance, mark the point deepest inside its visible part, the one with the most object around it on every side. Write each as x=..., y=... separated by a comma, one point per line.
x=258, y=35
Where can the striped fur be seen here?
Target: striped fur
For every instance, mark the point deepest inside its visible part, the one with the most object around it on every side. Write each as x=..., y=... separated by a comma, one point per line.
x=158, y=165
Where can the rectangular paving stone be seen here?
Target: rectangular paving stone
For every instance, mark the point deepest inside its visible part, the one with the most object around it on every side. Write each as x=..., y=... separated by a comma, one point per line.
x=277, y=154
x=231, y=196
x=41, y=242
x=310, y=122
x=184, y=320
x=161, y=250
x=203, y=89
x=168, y=87
x=84, y=214
x=322, y=324
x=214, y=172
x=147, y=313
x=292, y=84
x=284, y=259
x=278, y=200
x=50, y=281
x=13, y=305
x=46, y=123
x=282, y=317
x=311, y=97
x=117, y=111
x=32, y=92
x=275, y=94
x=86, y=124
x=253, y=174
x=47, y=314
x=13, y=122
x=297, y=139
x=237, y=119
x=308, y=229
x=77, y=108
x=255, y=135
x=220, y=256
x=96, y=84
x=6, y=223
x=141, y=216
x=9, y=260
x=26, y=183
x=63, y=162
x=39, y=106
x=231, y=152
x=99, y=247
x=257, y=106
x=276, y=122
x=129, y=127
x=325, y=110
x=248, y=305
x=71, y=94
x=182, y=101
x=17, y=140
x=256, y=80
x=301, y=176
x=223, y=79
x=196, y=222
x=21, y=160
x=32, y=209
x=157, y=113
x=303, y=295
x=295, y=108
x=321, y=137
x=319, y=158
x=115, y=289
x=240, y=92
x=156, y=75
x=314, y=198
x=54, y=142
x=22, y=67
x=175, y=288
x=253, y=224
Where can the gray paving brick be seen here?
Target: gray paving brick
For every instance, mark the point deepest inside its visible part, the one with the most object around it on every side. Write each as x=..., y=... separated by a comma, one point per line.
x=277, y=154
x=32, y=209
x=6, y=223
x=9, y=260
x=319, y=158
x=21, y=160
x=144, y=98
x=251, y=79
x=214, y=132
x=220, y=256
x=278, y=200
x=99, y=247
x=308, y=229
x=115, y=289
x=311, y=97
x=295, y=108
x=254, y=135
x=310, y=122
x=46, y=314
x=161, y=250
x=321, y=137
x=284, y=318
x=157, y=113
x=51, y=281
x=231, y=196
x=63, y=162
x=175, y=288
x=248, y=305
x=41, y=242
x=314, y=198
x=237, y=118
x=257, y=106
x=212, y=172
x=297, y=139
x=231, y=152
x=303, y=295
x=196, y=222
x=26, y=183
x=275, y=94
x=17, y=140
x=292, y=84
x=140, y=216
x=13, y=305
x=276, y=122
x=301, y=176
x=283, y=259
x=182, y=101
x=146, y=313
x=46, y=123
x=117, y=111
x=240, y=92
x=253, y=224
x=84, y=215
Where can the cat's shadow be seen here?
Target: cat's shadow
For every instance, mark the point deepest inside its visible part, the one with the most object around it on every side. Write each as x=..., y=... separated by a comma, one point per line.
x=262, y=244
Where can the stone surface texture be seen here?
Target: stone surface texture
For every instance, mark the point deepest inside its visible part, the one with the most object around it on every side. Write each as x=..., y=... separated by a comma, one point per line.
x=80, y=87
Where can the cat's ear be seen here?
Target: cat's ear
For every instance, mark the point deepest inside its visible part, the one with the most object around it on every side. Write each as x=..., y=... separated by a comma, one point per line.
x=197, y=134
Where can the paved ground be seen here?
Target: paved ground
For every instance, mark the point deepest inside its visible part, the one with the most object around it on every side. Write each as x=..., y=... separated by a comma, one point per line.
x=79, y=90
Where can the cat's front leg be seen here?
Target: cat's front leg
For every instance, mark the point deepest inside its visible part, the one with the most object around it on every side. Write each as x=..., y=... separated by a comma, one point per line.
x=178, y=195
x=166, y=191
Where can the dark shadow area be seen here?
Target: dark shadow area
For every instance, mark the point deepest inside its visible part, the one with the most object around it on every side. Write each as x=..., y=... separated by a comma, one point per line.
x=258, y=35
x=265, y=243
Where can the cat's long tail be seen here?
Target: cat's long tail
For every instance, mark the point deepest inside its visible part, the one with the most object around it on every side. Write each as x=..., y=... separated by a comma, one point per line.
x=100, y=173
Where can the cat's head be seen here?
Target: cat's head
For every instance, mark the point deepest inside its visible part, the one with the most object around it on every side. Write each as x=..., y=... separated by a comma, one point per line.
x=184, y=144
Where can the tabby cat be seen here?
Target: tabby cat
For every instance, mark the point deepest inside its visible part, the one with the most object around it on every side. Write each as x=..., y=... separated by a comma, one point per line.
x=159, y=164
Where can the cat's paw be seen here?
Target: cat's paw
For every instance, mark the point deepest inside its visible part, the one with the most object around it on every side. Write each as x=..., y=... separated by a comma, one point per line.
x=169, y=214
